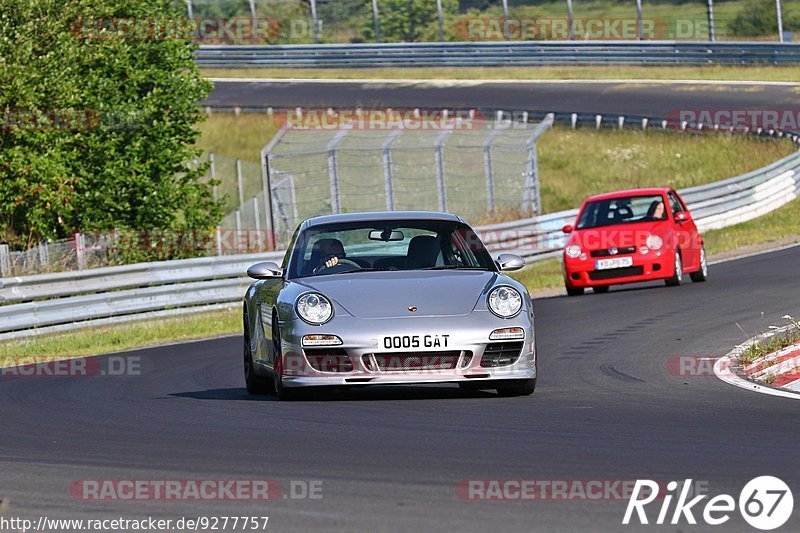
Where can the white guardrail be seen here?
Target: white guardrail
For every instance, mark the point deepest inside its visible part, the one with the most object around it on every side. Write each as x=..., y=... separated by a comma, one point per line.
x=57, y=302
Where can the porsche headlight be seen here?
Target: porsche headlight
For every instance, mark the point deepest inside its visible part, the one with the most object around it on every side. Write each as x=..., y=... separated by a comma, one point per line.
x=573, y=250
x=505, y=301
x=314, y=308
x=654, y=242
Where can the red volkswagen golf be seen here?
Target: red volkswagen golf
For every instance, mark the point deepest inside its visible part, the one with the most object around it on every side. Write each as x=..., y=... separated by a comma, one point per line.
x=631, y=236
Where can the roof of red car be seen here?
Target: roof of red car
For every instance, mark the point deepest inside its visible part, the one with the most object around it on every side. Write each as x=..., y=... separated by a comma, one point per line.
x=631, y=192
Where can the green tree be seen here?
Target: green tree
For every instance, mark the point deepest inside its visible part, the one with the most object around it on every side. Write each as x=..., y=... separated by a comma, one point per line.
x=406, y=20
x=98, y=126
x=759, y=18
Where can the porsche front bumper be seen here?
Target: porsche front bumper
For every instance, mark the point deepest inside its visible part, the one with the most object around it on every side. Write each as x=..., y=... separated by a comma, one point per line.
x=363, y=358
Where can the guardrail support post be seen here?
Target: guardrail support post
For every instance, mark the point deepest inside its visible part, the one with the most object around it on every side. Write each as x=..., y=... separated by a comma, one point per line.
x=488, y=166
x=712, y=34
x=239, y=185
x=570, y=21
x=314, y=21
x=441, y=20
x=780, y=19
x=388, y=175
x=253, y=20
x=333, y=171
x=639, y=20
x=5, y=261
x=375, y=20
x=80, y=251
x=439, y=158
x=257, y=216
x=505, y=20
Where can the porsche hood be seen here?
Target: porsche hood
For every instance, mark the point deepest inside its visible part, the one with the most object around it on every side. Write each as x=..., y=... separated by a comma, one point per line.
x=376, y=295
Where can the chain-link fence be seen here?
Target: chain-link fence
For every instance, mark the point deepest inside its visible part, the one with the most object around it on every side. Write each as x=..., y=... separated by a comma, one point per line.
x=469, y=167
x=355, y=21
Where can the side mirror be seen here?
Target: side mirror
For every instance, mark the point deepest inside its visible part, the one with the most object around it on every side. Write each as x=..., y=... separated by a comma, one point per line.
x=682, y=216
x=509, y=262
x=567, y=228
x=268, y=270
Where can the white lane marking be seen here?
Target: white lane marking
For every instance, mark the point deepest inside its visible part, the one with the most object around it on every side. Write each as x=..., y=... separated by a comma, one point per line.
x=471, y=83
x=794, y=385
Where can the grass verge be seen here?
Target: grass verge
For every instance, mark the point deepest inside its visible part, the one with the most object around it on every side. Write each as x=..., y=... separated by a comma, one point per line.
x=779, y=341
x=707, y=73
x=116, y=338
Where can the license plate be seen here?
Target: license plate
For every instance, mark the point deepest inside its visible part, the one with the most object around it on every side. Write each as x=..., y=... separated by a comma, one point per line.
x=616, y=262
x=416, y=341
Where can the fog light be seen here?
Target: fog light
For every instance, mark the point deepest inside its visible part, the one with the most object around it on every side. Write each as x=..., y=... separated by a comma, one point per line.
x=321, y=340
x=507, y=333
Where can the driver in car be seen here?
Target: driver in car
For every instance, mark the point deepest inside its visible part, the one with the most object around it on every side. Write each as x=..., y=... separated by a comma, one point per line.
x=329, y=251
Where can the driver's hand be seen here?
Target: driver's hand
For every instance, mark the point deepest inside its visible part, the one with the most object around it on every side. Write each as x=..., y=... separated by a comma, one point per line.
x=333, y=261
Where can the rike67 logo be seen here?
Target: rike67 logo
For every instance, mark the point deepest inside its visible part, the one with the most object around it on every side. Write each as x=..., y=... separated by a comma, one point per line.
x=766, y=503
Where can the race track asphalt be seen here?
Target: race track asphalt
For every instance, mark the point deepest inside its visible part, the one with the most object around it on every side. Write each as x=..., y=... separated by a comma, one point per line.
x=607, y=407
x=613, y=97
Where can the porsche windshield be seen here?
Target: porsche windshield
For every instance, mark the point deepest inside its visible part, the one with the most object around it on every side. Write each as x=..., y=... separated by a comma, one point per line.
x=623, y=210
x=399, y=245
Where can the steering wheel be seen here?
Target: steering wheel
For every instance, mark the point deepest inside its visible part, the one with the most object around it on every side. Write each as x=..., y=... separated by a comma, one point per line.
x=342, y=261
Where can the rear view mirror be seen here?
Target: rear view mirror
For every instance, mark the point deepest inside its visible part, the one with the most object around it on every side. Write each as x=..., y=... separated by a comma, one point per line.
x=567, y=228
x=267, y=270
x=509, y=262
x=682, y=216
x=386, y=235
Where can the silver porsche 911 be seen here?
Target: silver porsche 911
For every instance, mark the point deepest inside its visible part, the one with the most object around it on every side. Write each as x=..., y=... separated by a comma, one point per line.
x=388, y=298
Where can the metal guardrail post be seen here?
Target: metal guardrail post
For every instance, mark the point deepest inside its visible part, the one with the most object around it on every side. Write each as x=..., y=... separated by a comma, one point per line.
x=80, y=251
x=388, y=174
x=505, y=20
x=712, y=34
x=333, y=171
x=219, y=229
x=780, y=19
x=639, y=19
x=266, y=186
x=376, y=21
x=5, y=261
x=253, y=20
x=239, y=184
x=488, y=166
x=314, y=21
x=438, y=156
x=570, y=21
x=441, y=20
x=257, y=217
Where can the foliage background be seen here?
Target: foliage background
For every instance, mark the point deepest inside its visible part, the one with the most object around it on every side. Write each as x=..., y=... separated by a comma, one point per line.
x=124, y=162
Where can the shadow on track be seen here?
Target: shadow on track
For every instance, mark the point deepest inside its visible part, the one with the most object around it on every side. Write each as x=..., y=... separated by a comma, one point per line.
x=375, y=393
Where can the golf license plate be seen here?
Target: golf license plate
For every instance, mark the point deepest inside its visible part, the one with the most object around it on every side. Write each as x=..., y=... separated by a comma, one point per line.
x=616, y=262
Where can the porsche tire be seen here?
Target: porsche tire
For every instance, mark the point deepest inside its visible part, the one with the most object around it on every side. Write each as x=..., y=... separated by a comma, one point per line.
x=282, y=392
x=254, y=383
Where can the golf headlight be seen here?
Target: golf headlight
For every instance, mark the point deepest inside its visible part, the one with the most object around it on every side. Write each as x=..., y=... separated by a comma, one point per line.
x=505, y=302
x=314, y=308
x=654, y=242
x=573, y=250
